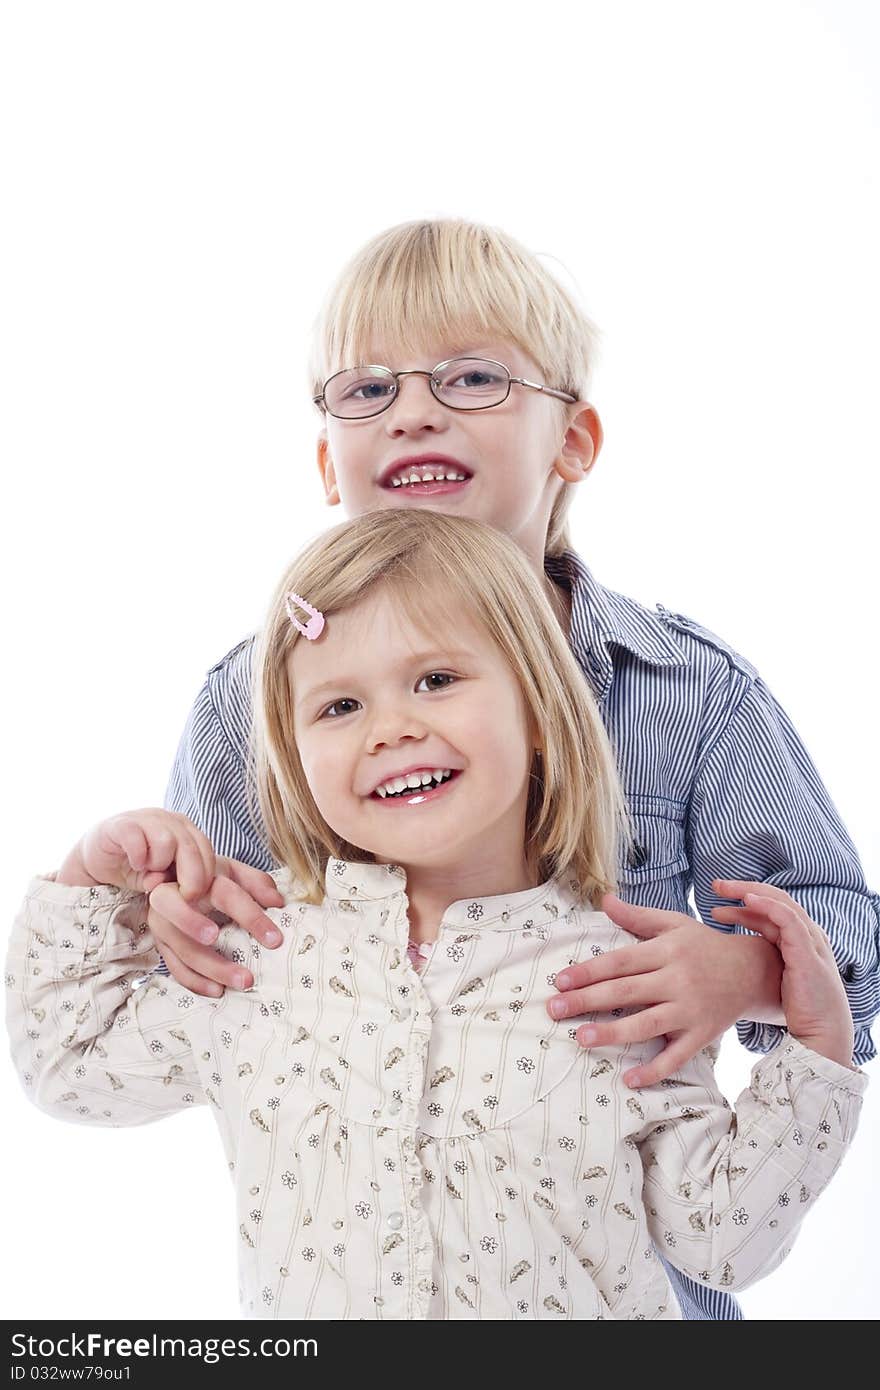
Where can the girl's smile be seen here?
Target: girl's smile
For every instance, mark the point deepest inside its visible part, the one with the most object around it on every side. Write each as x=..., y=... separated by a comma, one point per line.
x=418, y=795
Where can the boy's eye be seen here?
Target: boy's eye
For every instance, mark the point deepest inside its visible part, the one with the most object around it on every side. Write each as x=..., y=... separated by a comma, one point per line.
x=368, y=389
x=472, y=378
x=444, y=676
x=475, y=379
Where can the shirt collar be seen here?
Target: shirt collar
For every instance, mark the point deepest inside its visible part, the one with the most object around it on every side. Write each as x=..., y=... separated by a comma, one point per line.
x=532, y=907
x=601, y=618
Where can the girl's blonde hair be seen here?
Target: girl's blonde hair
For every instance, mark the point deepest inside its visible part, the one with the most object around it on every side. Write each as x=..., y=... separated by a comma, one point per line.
x=458, y=280
x=436, y=567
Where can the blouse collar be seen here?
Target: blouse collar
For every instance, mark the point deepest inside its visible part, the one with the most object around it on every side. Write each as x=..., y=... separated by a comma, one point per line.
x=531, y=907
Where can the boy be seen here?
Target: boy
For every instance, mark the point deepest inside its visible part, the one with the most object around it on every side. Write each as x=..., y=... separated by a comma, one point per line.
x=478, y=405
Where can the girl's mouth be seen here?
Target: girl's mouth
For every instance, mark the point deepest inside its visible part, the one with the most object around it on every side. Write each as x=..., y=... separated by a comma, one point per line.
x=417, y=795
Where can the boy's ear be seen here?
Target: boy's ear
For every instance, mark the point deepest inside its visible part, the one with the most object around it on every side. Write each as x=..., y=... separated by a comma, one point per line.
x=327, y=471
x=580, y=447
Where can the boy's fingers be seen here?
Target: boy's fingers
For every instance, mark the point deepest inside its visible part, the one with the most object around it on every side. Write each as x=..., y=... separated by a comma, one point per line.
x=640, y=1027
x=628, y=960
x=679, y=1050
x=187, y=961
x=642, y=921
x=190, y=979
x=167, y=900
x=236, y=903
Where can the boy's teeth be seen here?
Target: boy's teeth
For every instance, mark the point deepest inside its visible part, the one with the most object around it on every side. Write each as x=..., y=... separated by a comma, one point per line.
x=436, y=476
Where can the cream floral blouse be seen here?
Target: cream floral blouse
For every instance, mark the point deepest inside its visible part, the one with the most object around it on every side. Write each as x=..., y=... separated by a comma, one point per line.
x=425, y=1145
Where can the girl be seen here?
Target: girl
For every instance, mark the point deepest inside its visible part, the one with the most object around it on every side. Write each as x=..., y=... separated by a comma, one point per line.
x=409, y=1134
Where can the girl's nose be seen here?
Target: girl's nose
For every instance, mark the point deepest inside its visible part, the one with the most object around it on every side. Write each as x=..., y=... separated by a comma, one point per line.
x=399, y=731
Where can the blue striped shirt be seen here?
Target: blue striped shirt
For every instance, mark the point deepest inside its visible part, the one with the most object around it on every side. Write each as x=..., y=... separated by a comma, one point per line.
x=717, y=782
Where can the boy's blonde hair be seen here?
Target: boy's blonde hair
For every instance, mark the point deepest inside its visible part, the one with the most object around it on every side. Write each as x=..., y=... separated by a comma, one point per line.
x=437, y=567
x=458, y=280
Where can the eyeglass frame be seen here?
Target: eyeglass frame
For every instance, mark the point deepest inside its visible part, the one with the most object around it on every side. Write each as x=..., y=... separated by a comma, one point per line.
x=512, y=380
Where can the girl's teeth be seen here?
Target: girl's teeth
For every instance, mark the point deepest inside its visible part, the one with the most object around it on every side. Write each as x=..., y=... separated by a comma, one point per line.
x=413, y=781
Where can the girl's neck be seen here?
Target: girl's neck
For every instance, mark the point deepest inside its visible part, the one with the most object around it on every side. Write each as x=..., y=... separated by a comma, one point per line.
x=428, y=899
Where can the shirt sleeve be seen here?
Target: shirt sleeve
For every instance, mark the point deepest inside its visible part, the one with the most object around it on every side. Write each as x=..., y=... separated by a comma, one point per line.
x=760, y=812
x=208, y=781
x=90, y=1043
x=726, y=1192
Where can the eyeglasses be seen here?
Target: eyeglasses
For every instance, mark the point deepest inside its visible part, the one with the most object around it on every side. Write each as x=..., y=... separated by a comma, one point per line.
x=462, y=383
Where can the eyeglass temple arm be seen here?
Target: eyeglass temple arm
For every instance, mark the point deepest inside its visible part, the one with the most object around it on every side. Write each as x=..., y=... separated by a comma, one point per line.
x=548, y=390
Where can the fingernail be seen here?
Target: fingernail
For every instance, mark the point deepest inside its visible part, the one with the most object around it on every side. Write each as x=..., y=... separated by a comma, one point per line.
x=587, y=1035
x=273, y=938
x=239, y=979
x=215, y=990
x=562, y=981
x=634, y=1080
x=557, y=1007
x=208, y=934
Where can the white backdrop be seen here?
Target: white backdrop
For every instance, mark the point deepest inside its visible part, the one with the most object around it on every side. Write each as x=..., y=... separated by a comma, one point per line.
x=181, y=182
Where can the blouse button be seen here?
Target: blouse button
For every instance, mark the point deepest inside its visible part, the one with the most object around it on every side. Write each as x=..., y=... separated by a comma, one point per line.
x=395, y=1220
x=405, y=1013
x=395, y=1106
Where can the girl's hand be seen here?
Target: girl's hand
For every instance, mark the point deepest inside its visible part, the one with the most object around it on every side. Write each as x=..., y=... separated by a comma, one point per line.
x=814, y=1000
x=138, y=850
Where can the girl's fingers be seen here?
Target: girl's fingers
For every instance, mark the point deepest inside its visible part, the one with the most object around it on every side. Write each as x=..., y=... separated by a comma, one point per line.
x=752, y=921
x=738, y=887
x=129, y=836
x=193, y=875
x=203, y=868
x=254, y=881
x=236, y=903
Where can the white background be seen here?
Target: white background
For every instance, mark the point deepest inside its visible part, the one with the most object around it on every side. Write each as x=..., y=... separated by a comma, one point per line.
x=182, y=181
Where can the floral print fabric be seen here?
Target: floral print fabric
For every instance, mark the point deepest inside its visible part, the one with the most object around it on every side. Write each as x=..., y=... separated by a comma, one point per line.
x=426, y=1145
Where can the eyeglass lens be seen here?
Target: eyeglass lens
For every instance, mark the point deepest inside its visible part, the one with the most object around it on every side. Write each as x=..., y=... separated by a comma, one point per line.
x=467, y=383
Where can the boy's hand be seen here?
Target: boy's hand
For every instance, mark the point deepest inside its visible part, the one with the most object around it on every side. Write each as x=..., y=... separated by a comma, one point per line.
x=690, y=983
x=165, y=855
x=240, y=892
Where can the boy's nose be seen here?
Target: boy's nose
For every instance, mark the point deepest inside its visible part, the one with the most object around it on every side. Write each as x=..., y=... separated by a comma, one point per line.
x=415, y=407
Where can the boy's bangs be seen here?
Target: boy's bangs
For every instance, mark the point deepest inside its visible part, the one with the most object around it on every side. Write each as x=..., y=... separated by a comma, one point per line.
x=417, y=320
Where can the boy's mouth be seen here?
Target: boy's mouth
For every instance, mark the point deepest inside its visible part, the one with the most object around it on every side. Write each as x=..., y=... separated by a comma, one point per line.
x=426, y=475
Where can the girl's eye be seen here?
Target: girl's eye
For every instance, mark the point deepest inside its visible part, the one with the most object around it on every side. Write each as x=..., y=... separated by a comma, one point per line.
x=444, y=676
x=333, y=706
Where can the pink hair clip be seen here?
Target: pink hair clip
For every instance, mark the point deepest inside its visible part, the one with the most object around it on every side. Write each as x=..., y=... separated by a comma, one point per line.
x=314, y=626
